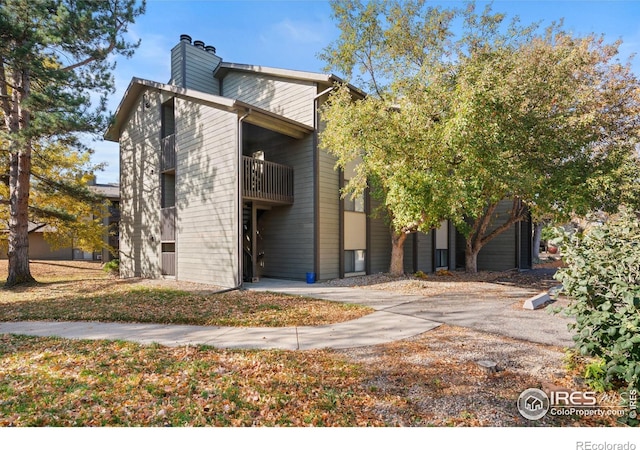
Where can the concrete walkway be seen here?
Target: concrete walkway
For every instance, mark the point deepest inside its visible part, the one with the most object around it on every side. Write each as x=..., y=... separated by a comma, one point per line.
x=502, y=316
x=397, y=316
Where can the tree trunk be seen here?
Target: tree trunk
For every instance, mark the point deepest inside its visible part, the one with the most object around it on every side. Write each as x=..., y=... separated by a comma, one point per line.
x=19, y=180
x=397, y=253
x=479, y=236
x=19, y=170
x=471, y=258
x=537, y=237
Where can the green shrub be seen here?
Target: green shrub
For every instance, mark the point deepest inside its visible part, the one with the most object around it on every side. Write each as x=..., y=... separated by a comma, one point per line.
x=602, y=280
x=112, y=267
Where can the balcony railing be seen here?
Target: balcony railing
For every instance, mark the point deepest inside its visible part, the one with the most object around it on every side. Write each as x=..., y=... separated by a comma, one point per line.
x=168, y=224
x=267, y=181
x=168, y=156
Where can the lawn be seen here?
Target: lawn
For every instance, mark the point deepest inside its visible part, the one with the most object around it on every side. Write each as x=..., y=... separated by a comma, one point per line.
x=54, y=382
x=426, y=381
x=82, y=291
x=430, y=380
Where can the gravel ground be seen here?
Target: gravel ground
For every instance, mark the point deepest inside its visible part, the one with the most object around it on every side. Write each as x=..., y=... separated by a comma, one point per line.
x=438, y=377
x=499, y=283
x=438, y=372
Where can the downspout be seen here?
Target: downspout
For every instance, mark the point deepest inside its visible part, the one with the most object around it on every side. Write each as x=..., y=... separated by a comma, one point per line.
x=316, y=186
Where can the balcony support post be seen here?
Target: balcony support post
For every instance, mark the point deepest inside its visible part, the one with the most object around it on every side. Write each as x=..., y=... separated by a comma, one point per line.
x=254, y=243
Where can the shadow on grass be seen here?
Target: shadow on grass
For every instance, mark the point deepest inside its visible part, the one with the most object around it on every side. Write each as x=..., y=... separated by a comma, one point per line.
x=76, y=265
x=143, y=304
x=101, y=282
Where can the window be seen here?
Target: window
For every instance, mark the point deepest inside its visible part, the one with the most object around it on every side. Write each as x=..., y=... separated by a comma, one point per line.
x=354, y=261
x=356, y=204
x=442, y=258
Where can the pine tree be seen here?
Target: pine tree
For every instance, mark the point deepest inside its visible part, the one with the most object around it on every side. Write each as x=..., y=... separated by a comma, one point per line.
x=53, y=57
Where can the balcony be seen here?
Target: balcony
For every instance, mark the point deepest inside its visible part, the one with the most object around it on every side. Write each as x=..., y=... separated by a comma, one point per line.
x=267, y=181
x=168, y=155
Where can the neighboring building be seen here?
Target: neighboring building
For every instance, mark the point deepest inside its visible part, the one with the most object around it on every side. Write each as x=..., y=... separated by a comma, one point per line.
x=110, y=192
x=39, y=248
x=222, y=181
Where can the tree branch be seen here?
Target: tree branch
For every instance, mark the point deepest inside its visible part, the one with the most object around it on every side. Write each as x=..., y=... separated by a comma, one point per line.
x=517, y=214
x=90, y=59
x=62, y=215
x=101, y=53
x=480, y=226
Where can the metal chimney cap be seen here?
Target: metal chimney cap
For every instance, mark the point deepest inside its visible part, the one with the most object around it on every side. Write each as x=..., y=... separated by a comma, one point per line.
x=185, y=38
x=210, y=48
x=198, y=44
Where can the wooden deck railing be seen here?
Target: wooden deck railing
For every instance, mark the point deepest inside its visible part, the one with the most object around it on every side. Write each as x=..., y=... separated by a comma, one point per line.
x=168, y=224
x=268, y=181
x=168, y=156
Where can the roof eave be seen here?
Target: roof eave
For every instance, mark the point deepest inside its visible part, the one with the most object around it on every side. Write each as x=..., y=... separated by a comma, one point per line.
x=258, y=115
x=326, y=80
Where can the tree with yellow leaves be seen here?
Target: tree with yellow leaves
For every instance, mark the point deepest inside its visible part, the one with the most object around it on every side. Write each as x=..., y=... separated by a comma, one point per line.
x=53, y=56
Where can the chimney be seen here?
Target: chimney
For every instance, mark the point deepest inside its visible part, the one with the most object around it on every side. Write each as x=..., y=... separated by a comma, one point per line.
x=190, y=61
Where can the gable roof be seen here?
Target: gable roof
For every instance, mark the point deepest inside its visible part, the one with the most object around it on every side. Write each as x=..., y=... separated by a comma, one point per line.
x=226, y=67
x=326, y=80
x=257, y=116
x=109, y=191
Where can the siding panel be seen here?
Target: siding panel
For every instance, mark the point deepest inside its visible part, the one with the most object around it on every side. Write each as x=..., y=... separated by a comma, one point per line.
x=500, y=253
x=140, y=190
x=289, y=98
x=380, y=242
x=329, y=220
x=408, y=254
x=287, y=231
x=206, y=194
x=425, y=252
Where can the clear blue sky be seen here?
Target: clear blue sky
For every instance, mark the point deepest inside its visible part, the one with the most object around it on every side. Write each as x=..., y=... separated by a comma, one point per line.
x=290, y=34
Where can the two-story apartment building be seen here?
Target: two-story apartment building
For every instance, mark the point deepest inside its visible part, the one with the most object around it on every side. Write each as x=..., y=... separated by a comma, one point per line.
x=222, y=181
